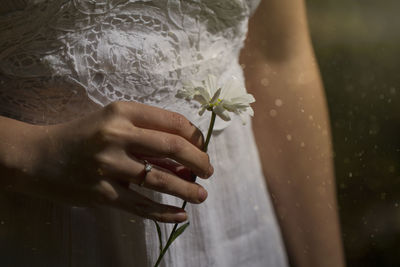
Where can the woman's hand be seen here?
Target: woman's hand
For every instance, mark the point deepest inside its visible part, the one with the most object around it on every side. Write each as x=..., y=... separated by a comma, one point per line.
x=92, y=160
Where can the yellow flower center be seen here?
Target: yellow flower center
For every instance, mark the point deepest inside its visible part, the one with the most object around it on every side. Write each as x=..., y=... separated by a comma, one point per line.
x=212, y=105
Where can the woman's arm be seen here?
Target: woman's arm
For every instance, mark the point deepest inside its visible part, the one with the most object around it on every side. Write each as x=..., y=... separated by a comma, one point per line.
x=18, y=151
x=93, y=159
x=292, y=132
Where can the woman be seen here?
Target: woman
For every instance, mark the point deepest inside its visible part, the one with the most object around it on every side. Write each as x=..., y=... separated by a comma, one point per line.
x=80, y=82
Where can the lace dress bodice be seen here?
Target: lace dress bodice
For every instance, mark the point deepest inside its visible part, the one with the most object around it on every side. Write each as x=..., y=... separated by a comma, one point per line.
x=56, y=52
x=61, y=59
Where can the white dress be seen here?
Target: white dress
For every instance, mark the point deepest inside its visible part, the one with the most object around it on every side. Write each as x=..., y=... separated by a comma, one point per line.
x=61, y=59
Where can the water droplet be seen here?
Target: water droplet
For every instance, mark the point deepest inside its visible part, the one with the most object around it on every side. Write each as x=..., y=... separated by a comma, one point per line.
x=273, y=113
x=350, y=174
x=289, y=137
x=278, y=102
x=302, y=144
x=264, y=82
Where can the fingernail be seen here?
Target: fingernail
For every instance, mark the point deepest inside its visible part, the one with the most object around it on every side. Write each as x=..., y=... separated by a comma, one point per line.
x=210, y=170
x=202, y=194
x=181, y=216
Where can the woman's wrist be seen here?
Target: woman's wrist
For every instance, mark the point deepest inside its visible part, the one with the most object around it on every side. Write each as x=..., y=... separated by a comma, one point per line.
x=20, y=153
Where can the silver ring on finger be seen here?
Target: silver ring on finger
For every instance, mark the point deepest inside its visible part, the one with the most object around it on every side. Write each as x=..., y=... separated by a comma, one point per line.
x=147, y=168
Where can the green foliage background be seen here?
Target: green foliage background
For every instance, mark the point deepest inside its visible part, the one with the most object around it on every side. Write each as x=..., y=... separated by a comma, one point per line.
x=357, y=44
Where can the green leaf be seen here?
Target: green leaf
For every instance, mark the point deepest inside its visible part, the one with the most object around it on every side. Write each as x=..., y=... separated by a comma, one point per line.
x=159, y=235
x=178, y=232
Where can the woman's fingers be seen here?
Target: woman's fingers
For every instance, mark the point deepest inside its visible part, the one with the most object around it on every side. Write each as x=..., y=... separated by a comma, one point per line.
x=178, y=169
x=133, y=202
x=135, y=129
x=119, y=166
x=165, y=182
x=153, y=118
x=154, y=132
x=161, y=144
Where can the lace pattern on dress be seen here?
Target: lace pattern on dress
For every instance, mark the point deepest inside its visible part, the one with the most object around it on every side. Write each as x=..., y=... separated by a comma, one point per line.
x=115, y=50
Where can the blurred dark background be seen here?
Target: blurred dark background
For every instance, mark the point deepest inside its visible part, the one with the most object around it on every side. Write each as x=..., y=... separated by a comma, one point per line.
x=357, y=44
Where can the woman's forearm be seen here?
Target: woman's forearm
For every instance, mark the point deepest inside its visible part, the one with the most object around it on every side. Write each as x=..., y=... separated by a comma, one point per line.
x=292, y=132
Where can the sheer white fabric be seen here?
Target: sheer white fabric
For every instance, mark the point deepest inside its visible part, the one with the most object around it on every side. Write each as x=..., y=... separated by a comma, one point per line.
x=62, y=59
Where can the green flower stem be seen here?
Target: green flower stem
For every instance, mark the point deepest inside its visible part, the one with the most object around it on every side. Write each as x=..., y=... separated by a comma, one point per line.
x=210, y=129
x=170, y=238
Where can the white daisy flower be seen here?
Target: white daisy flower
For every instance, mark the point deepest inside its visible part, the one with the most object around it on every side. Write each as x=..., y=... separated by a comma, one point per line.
x=230, y=97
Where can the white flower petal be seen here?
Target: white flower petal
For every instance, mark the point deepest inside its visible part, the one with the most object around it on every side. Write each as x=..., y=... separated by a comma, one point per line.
x=202, y=110
x=250, y=111
x=233, y=107
x=215, y=96
x=186, y=94
x=228, y=105
x=221, y=112
x=211, y=84
x=232, y=88
x=226, y=89
x=244, y=99
x=202, y=96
